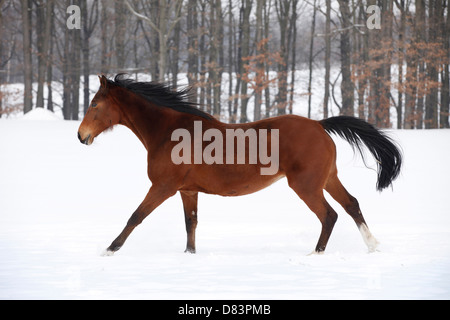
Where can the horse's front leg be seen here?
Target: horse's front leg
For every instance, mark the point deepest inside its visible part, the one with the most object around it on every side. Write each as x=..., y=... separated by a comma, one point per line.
x=190, y=216
x=153, y=199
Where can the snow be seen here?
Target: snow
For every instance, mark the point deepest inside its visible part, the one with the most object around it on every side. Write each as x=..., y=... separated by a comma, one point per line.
x=62, y=203
x=40, y=114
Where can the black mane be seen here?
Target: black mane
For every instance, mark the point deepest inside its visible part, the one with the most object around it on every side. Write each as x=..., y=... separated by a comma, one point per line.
x=161, y=94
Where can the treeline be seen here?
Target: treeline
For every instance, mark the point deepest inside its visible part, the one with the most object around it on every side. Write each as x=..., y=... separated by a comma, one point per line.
x=392, y=55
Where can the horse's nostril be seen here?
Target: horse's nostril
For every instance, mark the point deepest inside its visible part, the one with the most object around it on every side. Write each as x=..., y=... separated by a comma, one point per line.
x=79, y=136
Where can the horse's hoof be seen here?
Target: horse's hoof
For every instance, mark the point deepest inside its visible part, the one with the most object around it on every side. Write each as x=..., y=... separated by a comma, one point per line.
x=107, y=253
x=189, y=250
x=374, y=247
x=316, y=253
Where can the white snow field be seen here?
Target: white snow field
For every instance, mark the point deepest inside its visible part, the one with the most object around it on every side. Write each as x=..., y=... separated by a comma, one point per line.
x=62, y=203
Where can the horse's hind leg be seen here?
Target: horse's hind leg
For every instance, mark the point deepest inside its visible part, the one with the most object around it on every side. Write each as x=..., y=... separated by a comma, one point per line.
x=315, y=200
x=190, y=216
x=335, y=188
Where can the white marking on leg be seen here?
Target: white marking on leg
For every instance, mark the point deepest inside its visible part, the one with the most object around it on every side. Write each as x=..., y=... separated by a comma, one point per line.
x=368, y=238
x=107, y=253
x=193, y=213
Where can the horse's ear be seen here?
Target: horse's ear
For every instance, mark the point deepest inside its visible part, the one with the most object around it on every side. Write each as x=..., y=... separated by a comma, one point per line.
x=103, y=81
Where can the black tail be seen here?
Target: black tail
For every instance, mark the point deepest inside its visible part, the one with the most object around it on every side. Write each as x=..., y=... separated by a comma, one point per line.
x=383, y=149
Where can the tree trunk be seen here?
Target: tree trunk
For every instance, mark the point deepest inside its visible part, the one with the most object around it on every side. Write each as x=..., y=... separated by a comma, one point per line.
x=239, y=69
x=27, y=62
x=293, y=32
x=375, y=71
x=120, y=26
x=66, y=76
x=246, y=8
x=44, y=17
x=382, y=115
x=192, y=48
x=411, y=80
x=71, y=71
x=259, y=65
x=104, y=65
x=311, y=55
x=346, y=83
x=88, y=27
x=420, y=41
x=267, y=102
x=435, y=42
x=326, y=97
x=50, y=64
x=76, y=73
x=175, y=49
x=283, y=13
x=216, y=46
x=202, y=54
x=362, y=58
x=401, y=56
x=231, y=115
x=445, y=76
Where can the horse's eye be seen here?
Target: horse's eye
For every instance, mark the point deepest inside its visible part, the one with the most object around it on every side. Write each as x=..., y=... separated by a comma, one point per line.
x=93, y=104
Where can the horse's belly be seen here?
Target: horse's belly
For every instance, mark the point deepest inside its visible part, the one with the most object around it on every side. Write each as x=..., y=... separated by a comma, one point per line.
x=238, y=185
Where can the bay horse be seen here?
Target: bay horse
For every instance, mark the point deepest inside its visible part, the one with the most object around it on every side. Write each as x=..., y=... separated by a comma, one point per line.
x=306, y=155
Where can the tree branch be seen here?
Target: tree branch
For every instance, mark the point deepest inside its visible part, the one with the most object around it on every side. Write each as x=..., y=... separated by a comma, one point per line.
x=140, y=16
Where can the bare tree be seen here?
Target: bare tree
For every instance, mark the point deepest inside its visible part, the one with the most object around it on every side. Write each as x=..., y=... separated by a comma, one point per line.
x=293, y=41
x=169, y=16
x=311, y=55
x=283, y=9
x=435, y=41
x=347, y=89
x=7, y=48
x=231, y=112
x=401, y=58
x=27, y=65
x=326, y=96
x=44, y=13
x=215, y=53
x=120, y=30
x=89, y=21
x=260, y=66
x=445, y=73
x=244, y=37
x=71, y=70
x=104, y=54
x=410, y=85
x=192, y=43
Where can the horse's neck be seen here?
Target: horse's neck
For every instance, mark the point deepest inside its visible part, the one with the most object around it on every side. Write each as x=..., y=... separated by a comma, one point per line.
x=139, y=119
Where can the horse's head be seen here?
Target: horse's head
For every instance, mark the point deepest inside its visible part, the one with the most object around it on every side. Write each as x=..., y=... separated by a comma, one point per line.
x=102, y=114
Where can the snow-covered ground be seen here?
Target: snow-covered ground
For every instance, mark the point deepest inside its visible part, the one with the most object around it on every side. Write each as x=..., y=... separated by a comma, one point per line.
x=62, y=203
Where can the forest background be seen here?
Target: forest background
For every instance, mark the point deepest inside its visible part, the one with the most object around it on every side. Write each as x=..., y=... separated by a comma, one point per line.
x=392, y=56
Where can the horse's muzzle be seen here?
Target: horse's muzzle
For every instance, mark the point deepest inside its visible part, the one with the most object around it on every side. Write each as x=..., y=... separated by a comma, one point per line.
x=85, y=140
